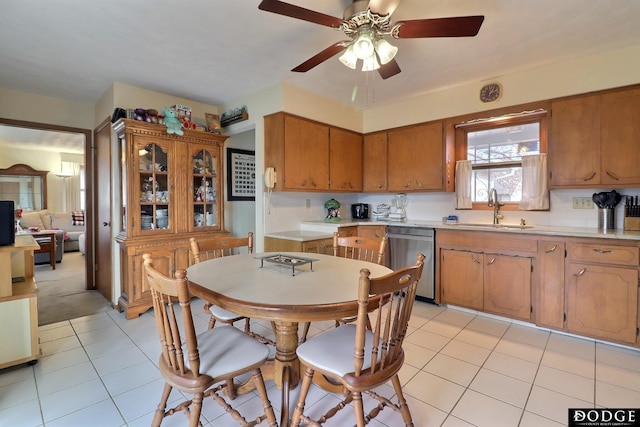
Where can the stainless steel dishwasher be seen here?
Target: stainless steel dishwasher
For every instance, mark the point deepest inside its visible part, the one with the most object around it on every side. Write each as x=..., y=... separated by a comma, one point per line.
x=404, y=245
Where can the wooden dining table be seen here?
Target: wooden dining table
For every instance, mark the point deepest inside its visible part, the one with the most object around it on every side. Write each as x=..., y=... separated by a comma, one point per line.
x=260, y=287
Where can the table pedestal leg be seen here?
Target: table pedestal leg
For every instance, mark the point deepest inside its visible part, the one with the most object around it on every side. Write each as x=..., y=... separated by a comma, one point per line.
x=287, y=366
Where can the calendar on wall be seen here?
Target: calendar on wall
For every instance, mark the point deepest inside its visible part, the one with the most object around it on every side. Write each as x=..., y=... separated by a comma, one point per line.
x=241, y=174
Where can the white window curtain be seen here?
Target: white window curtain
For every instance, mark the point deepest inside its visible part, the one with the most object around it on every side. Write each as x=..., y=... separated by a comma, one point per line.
x=535, y=191
x=70, y=167
x=463, y=184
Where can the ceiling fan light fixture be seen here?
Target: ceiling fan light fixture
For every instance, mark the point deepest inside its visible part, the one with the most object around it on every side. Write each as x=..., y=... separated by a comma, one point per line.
x=363, y=45
x=385, y=50
x=349, y=58
x=370, y=64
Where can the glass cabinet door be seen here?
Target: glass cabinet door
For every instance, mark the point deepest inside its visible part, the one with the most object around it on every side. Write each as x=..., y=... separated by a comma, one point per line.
x=153, y=163
x=204, y=185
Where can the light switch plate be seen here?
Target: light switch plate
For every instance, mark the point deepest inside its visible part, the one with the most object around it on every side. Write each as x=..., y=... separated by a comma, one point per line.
x=582, y=203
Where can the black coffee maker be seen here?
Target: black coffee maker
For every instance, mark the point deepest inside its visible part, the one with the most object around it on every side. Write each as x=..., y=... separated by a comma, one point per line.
x=360, y=211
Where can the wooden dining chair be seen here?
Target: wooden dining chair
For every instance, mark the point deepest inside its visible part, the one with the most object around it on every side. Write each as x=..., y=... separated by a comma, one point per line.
x=216, y=248
x=354, y=247
x=200, y=366
x=361, y=359
x=360, y=248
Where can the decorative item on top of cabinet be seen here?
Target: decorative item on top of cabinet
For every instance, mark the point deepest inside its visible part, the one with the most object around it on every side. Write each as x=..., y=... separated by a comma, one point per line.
x=416, y=158
x=170, y=192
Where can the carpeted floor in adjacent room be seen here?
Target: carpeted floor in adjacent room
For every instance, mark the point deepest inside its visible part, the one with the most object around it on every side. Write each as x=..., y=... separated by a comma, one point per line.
x=62, y=294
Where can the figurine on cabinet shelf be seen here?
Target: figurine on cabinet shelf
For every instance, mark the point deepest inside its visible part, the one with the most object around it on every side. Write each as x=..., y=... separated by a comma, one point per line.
x=210, y=195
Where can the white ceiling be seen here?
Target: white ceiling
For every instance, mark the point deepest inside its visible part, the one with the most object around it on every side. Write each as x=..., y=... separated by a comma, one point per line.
x=215, y=51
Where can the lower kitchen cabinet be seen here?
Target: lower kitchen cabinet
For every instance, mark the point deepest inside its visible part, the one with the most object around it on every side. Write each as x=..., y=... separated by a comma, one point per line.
x=549, y=297
x=317, y=246
x=602, y=301
x=584, y=286
x=489, y=282
x=602, y=296
x=461, y=278
x=507, y=286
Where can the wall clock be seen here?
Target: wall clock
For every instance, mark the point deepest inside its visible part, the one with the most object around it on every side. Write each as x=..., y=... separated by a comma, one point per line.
x=491, y=92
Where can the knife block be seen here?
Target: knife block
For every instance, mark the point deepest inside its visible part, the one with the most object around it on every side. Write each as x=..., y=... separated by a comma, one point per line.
x=632, y=223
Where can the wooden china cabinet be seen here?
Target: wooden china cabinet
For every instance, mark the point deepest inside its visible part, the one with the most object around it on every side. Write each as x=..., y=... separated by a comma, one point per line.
x=171, y=190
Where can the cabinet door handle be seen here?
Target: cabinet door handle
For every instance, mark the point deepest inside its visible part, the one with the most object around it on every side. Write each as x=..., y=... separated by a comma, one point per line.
x=581, y=272
x=602, y=251
x=106, y=224
x=590, y=177
x=477, y=261
x=553, y=249
x=613, y=176
x=408, y=185
x=492, y=261
x=418, y=184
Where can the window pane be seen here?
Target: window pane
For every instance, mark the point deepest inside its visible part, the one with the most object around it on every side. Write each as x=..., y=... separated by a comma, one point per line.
x=504, y=144
x=496, y=156
x=507, y=182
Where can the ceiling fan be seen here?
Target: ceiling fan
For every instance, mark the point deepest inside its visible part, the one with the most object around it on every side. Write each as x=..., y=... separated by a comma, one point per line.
x=367, y=23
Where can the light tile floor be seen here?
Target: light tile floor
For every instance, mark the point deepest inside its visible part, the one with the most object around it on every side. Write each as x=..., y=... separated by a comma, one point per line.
x=462, y=369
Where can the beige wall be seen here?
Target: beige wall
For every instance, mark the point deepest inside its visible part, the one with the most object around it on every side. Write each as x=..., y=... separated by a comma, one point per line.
x=25, y=106
x=580, y=75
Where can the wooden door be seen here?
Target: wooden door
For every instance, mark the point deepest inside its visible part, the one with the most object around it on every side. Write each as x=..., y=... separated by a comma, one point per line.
x=374, y=162
x=345, y=160
x=620, y=137
x=507, y=285
x=102, y=225
x=461, y=278
x=306, y=155
x=602, y=301
x=550, y=294
x=416, y=158
x=574, y=146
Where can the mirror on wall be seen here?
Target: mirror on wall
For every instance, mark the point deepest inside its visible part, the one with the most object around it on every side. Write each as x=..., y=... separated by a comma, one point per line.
x=24, y=185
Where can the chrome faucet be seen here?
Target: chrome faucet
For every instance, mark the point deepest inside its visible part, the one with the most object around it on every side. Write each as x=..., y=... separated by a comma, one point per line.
x=494, y=203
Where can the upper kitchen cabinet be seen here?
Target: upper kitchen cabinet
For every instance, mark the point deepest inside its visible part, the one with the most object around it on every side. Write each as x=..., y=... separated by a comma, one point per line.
x=416, y=158
x=312, y=156
x=574, y=146
x=594, y=140
x=374, y=162
x=345, y=160
x=620, y=131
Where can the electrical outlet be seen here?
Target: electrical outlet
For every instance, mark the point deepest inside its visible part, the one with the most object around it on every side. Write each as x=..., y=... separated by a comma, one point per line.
x=582, y=203
x=308, y=203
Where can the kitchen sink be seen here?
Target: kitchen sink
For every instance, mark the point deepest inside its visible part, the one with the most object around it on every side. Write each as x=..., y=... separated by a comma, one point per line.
x=498, y=226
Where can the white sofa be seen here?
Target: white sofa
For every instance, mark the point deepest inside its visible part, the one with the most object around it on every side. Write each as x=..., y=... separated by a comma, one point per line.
x=47, y=220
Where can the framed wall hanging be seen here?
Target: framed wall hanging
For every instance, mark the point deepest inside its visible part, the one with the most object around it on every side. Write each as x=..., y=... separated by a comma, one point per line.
x=241, y=175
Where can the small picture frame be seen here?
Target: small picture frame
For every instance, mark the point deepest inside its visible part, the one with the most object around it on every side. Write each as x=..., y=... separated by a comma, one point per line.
x=241, y=175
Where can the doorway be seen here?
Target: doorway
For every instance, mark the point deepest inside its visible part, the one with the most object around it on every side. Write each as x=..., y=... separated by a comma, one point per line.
x=24, y=142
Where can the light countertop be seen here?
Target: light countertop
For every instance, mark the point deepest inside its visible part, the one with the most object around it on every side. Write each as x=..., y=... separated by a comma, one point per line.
x=311, y=230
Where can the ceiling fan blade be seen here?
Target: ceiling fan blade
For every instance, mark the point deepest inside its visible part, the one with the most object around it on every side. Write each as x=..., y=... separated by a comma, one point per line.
x=321, y=57
x=383, y=7
x=389, y=69
x=462, y=26
x=298, y=12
